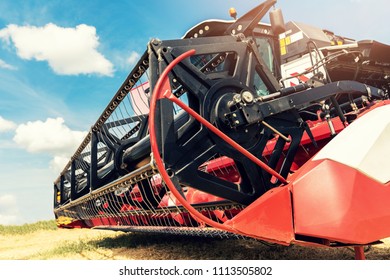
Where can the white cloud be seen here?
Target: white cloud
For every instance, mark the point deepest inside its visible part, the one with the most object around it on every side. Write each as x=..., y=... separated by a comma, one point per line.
x=51, y=136
x=9, y=212
x=133, y=58
x=5, y=65
x=69, y=51
x=58, y=163
x=6, y=125
x=124, y=60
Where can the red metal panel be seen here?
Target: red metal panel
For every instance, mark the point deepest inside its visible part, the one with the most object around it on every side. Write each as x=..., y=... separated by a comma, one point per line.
x=268, y=218
x=336, y=202
x=139, y=99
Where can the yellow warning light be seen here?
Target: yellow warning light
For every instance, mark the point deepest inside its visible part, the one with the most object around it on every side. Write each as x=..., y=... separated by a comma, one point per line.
x=233, y=13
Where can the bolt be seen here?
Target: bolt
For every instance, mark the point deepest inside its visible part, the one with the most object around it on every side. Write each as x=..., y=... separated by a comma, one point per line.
x=237, y=98
x=156, y=42
x=247, y=96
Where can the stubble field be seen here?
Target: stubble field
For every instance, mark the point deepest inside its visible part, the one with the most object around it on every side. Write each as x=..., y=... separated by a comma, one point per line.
x=43, y=241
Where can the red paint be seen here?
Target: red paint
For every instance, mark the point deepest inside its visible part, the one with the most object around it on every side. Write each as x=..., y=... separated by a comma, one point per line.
x=268, y=218
x=338, y=203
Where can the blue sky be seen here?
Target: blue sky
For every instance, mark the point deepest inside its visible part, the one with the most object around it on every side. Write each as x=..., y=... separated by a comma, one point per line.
x=62, y=61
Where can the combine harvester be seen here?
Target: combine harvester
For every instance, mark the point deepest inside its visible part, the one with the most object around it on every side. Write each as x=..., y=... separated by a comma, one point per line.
x=278, y=132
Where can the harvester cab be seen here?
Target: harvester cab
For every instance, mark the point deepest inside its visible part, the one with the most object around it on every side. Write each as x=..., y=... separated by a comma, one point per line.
x=212, y=134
